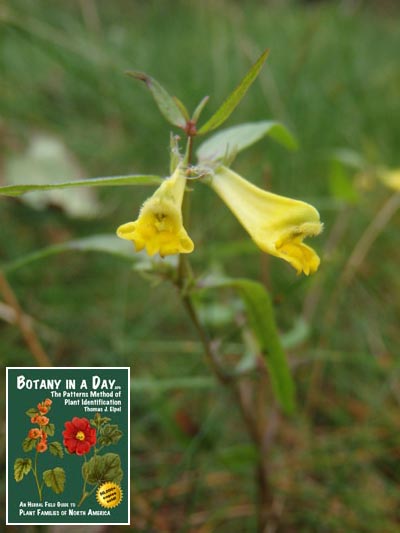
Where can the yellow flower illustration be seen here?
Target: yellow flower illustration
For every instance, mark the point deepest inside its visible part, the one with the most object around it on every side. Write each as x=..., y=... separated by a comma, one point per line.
x=277, y=224
x=159, y=227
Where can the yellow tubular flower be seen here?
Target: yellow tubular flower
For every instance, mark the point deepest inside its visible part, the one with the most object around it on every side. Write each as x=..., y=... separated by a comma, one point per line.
x=277, y=224
x=159, y=227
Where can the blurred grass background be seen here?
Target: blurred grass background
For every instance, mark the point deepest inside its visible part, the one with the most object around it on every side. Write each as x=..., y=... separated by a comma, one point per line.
x=333, y=78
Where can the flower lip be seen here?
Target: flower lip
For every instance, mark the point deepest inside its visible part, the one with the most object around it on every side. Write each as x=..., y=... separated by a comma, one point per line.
x=159, y=227
x=278, y=225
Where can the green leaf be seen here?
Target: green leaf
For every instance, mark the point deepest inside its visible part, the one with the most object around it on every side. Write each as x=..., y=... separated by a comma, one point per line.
x=341, y=183
x=31, y=412
x=167, y=105
x=28, y=444
x=165, y=385
x=109, y=434
x=46, y=159
x=182, y=108
x=199, y=109
x=55, y=479
x=234, y=140
x=110, y=244
x=49, y=429
x=101, y=468
x=22, y=467
x=56, y=449
x=349, y=158
x=99, y=420
x=238, y=457
x=17, y=190
x=262, y=321
x=228, y=106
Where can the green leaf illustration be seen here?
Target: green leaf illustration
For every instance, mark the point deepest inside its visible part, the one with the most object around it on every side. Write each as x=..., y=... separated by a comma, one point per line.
x=56, y=449
x=228, y=106
x=17, y=190
x=31, y=412
x=22, y=467
x=110, y=434
x=49, y=429
x=55, y=479
x=99, y=420
x=101, y=468
x=28, y=444
x=167, y=105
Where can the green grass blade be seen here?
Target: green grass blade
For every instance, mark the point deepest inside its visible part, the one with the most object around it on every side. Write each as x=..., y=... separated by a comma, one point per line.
x=107, y=243
x=167, y=105
x=235, y=139
x=17, y=190
x=168, y=384
x=261, y=319
x=229, y=105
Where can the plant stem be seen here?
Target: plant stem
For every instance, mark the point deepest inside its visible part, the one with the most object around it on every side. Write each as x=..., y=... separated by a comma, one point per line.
x=34, y=470
x=24, y=324
x=260, y=433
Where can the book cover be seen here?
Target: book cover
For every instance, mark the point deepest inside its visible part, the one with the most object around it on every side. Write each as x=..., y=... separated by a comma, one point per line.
x=68, y=445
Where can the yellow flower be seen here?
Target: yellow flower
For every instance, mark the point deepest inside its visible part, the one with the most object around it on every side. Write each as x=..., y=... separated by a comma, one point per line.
x=277, y=224
x=159, y=226
x=391, y=178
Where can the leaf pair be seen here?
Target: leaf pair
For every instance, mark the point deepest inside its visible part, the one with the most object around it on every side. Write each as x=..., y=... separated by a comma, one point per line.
x=174, y=111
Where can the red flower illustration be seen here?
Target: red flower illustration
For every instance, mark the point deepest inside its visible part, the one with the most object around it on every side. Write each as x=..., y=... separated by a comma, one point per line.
x=34, y=433
x=79, y=436
x=42, y=420
x=42, y=408
x=41, y=446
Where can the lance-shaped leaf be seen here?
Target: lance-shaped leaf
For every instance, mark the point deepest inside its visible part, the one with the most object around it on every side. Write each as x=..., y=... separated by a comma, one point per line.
x=233, y=140
x=228, y=106
x=168, y=106
x=55, y=479
x=109, y=244
x=31, y=412
x=22, y=467
x=17, y=190
x=262, y=321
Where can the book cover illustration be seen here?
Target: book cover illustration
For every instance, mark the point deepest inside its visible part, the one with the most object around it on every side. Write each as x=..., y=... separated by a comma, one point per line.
x=68, y=445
